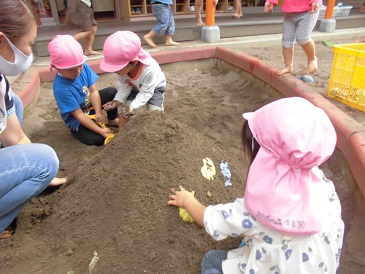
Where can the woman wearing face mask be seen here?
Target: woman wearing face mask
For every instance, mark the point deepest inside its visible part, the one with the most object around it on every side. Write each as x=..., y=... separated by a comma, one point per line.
x=26, y=169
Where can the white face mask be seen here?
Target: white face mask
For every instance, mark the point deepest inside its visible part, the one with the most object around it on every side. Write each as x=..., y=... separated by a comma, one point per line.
x=21, y=63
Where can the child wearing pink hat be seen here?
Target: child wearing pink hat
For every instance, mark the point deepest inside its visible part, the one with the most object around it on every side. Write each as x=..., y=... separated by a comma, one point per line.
x=290, y=214
x=76, y=93
x=140, y=78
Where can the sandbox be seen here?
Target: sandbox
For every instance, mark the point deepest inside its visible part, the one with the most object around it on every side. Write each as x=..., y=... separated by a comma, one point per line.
x=121, y=212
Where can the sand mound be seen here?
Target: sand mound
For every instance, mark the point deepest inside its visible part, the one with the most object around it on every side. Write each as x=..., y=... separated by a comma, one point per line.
x=115, y=203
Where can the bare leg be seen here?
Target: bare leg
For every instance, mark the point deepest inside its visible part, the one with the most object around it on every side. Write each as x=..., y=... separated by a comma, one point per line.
x=90, y=41
x=309, y=49
x=238, y=9
x=82, y=35
x=85, y=35
x=148, y=38
x=114, y=122
x=122, y=121
x=288, y=54
x=170, y=42
x=198, y=11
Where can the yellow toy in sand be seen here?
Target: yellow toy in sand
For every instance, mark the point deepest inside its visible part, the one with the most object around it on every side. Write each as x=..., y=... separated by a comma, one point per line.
x=208, y=169
x=184, y=214
x=111, y=135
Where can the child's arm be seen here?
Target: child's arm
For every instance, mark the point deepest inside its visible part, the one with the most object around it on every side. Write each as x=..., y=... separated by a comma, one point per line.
x=315, y=7
x=146, y=88
x=88, y=123
x=124, y=89
x=96, y=103
x=268, y=7
x=220, y=221
x=186, y=199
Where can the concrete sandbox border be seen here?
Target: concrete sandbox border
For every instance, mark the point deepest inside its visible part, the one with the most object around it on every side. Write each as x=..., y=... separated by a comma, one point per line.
x=350, y=134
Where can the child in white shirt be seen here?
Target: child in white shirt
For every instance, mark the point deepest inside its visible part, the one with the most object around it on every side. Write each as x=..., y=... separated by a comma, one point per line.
x=140, y=78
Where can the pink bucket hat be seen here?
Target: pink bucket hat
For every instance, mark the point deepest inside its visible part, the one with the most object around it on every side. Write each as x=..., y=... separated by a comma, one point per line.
x=65, y=52
x=122, y=47
x=283, y=181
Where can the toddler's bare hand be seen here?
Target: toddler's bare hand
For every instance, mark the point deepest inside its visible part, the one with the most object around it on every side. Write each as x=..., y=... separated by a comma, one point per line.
x=315, y=8
x=127, y=111
x=100, y=119
x=268, y=7
x=179, y=197
x=105, y=132
x=110, y=105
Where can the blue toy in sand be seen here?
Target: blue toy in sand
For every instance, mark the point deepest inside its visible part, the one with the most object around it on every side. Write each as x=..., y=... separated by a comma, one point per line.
x=226, y=173
x=307, y=78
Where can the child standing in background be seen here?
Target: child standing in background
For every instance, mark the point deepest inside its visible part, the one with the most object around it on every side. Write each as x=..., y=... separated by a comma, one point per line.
x=80, y=15
x=300, y=19
x=237, y=9
x=140, y=78
x=290, y=213
x=76, y=93
x=165, y=23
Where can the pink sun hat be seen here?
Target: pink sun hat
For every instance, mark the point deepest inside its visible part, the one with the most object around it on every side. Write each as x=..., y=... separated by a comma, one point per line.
x=284, y=180
x=123, y=47
x=65, y=52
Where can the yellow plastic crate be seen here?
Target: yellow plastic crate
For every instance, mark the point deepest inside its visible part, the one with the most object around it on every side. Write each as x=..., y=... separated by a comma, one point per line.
x=347, y=81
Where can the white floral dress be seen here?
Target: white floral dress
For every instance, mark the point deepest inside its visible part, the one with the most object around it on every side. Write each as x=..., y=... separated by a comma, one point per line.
x=268, y=251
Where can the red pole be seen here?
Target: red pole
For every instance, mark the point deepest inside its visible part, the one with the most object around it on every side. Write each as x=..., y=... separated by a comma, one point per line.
x=329, y=9
x=209, y=13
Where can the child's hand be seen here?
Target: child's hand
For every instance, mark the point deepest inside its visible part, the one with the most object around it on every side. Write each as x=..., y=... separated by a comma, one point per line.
x=268, y=7
x=110, y=105
x=105, y=132
x=127, y=111
x=180, y=197
x=100, y=119
x=315, y=8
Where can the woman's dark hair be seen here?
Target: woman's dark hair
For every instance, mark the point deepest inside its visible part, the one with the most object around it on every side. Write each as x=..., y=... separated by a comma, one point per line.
x=16, y=16
x=250, y=145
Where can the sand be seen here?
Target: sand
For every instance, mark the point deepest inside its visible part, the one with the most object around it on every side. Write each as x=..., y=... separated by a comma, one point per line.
x=115, y=200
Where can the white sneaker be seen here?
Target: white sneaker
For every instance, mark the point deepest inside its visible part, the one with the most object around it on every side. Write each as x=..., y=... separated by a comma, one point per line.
x=192, y=8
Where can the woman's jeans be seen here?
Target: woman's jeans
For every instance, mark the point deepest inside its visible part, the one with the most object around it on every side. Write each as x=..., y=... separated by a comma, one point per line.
x=18, y=104
x=212, y=262
x=25, y=171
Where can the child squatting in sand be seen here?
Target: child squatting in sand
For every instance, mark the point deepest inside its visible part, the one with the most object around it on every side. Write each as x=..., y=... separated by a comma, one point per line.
x=290, y=213
x=140, y=78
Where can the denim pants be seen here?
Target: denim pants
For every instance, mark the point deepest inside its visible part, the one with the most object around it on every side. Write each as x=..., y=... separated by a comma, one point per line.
x=25, y=171
x=18, y=104
x=212, y=262
x=165, y=20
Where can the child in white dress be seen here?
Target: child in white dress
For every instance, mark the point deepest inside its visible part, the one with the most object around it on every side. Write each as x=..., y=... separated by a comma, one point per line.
x=290, y=214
